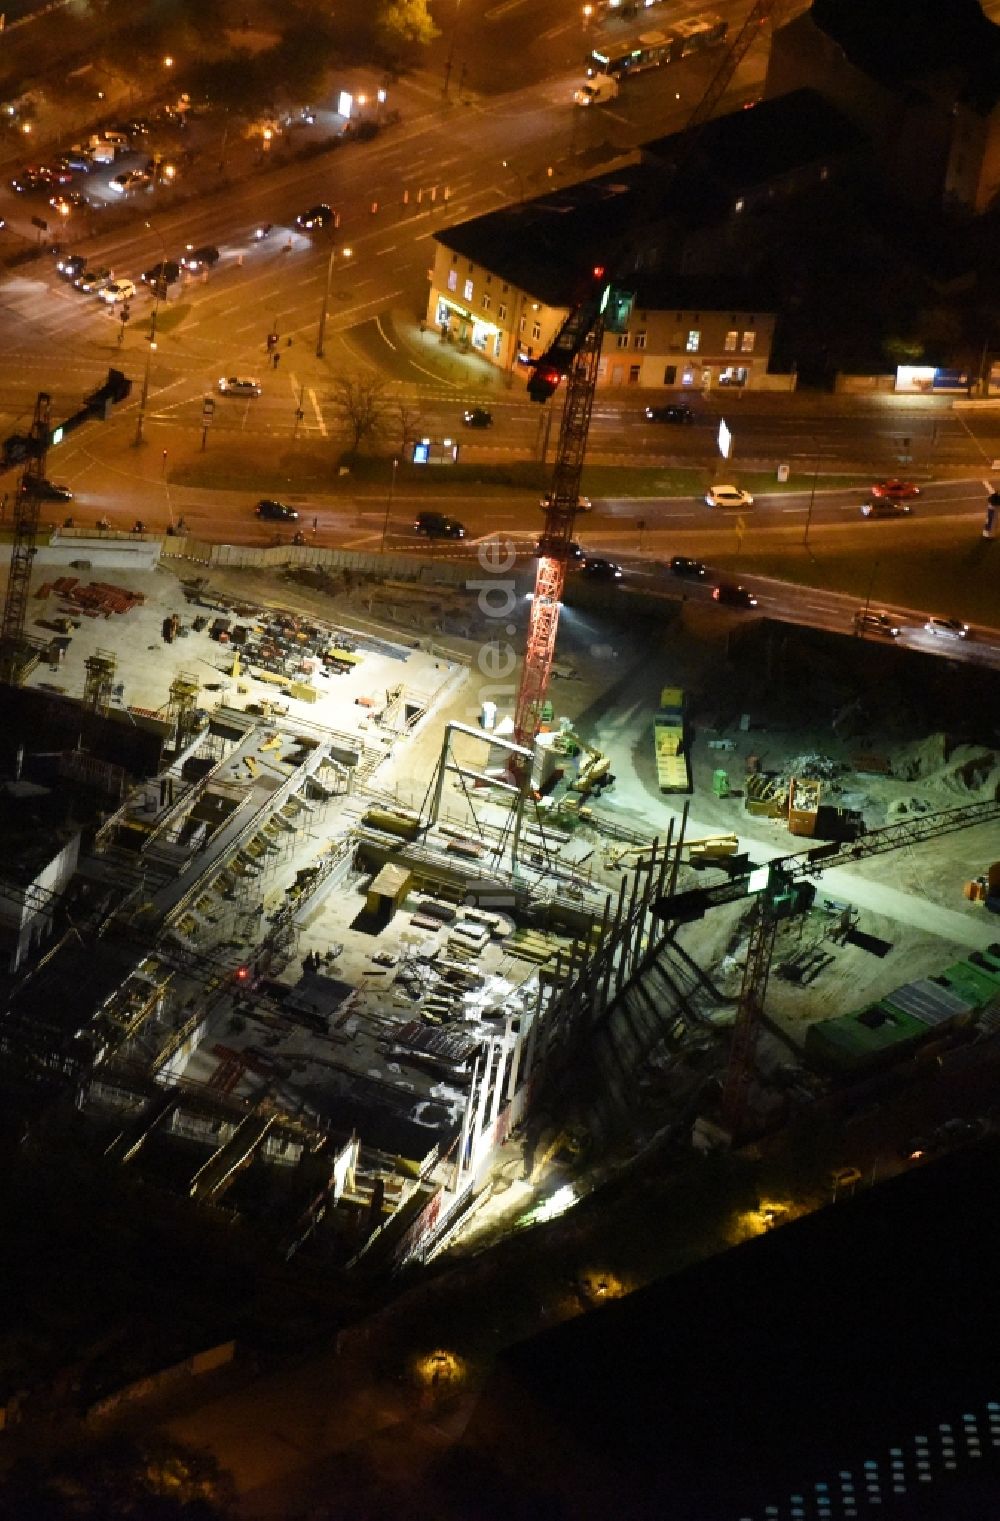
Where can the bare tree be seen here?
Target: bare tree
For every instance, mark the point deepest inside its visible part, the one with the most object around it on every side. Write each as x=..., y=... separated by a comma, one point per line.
x=361, y=406
x=409, y=426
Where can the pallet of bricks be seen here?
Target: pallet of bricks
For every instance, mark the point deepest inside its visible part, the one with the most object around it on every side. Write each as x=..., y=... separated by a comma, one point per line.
x=98, y=599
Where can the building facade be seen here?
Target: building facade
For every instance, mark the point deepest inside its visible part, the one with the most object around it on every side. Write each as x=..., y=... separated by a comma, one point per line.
x=673, y=342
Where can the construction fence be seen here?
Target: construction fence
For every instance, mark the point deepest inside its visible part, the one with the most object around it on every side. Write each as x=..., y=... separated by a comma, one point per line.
x=454, y=572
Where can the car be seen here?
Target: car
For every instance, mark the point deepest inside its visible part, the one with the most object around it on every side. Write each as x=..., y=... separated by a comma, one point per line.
x=71, y=265
x=573, y=550
x=728, y=496
x=117, y=290
x=316, y=216
x=239, y=385
x=894, y=489
x=947, y=628
x=57, y=173
x=197, y=259
x=680, y=565
x=677, y=412
x=16, y=449
x=93, y=281
x=885, y=507
x=600, y=569
x=734, y=595
x=76, y=158
x=435, y=525
x=129, y=180
x=67, y=202
x=866, y=621
x=477, y=417
x=583, y=503
x=166, y=272
x=29, y=181
x=46, y=491
x=267, y=507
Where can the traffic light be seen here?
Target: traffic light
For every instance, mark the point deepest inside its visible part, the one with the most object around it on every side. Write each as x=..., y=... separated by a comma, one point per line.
x=544, y=382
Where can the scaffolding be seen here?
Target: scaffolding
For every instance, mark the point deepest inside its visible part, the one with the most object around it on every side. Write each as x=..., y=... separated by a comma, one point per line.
x=98, y=683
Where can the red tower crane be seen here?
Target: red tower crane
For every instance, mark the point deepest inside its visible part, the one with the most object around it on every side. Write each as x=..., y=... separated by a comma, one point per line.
x=573, y=356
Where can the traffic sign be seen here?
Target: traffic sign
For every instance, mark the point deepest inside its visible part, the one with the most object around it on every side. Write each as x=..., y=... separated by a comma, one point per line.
x=207, y=410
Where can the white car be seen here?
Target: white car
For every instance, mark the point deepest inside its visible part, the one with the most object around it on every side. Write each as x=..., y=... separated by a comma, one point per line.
x=239, y=385
x=947, y=628
x=117, y=290
x=131, y=179
x=583, y=503
x=728, y=496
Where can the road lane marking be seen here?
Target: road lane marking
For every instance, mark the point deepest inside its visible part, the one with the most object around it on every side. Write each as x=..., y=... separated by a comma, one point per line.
x=384, y=335
x=319, y=416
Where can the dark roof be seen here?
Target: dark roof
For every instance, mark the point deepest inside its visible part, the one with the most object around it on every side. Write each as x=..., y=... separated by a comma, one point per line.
x=751, y=147
x=901, y=42
x=771, y=1370
x=699, y=293
x=547, y=246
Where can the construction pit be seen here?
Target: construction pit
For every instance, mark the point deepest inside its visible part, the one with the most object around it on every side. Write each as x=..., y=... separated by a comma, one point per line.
x=321, y=953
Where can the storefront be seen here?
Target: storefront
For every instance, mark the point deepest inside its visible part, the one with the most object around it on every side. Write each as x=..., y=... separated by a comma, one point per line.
x=468, y=330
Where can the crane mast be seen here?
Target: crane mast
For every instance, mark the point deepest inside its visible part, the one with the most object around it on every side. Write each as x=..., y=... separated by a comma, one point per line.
x=553, y=549
x=573, y=356
x=26, y=509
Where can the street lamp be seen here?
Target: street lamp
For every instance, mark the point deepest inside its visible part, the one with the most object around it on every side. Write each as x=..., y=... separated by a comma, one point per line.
x=520, y=177
x=345, y=254
x=158, y=285
x=388, y=505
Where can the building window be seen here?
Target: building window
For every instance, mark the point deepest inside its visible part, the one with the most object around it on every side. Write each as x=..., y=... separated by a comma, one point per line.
x=453, y=279
x=489, y=279
x=502, y=311
x=497, y=345
x=732, y=338
x=739, y=203
x=640, y=341
x=693, y=341
x=676, y=342
x=749, y=338
x=468, y=290
x=486, y=303
x=505, y=288
x=454, y=258
x=634, y=371
x=520, y=326
x=622, y=340
x=670, y=375
x=536, y=330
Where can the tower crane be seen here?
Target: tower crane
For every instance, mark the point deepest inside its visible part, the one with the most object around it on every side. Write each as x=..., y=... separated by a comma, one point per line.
x=573, y=356
x=26, y=508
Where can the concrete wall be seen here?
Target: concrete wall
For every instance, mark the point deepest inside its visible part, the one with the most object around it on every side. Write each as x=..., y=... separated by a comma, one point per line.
x=100, y=551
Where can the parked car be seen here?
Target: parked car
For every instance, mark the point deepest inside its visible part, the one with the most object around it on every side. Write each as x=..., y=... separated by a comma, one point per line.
x=30, y=181
x=76, y=158
x=71, y=265
x=868, y=622
x=947, y=628
x=166, y=272
x=680, y=565
x=885, y=507
x=129, y=180
x=600, y=569
x=67, y=201
x=46, y=491
x=276, y=511
x=728, y=496
x=734, y=595
x=196, y=259
x=436, y=525
x=477, y=417
x=677, y=412
x=316, y=216
x=239, y=385
x=117, y=290
x=93, y=281
x=894, y=489
x=57, y=173
x=583, y=503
